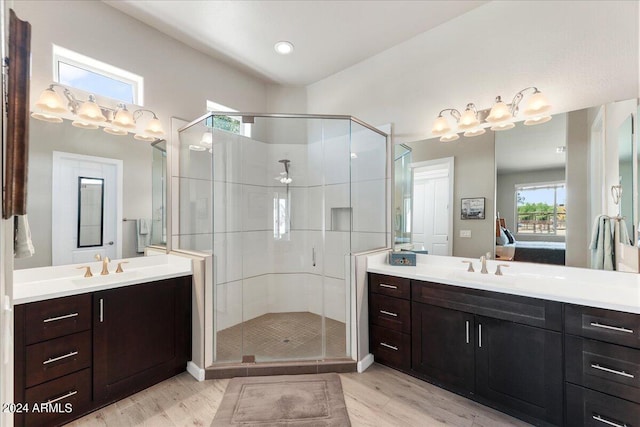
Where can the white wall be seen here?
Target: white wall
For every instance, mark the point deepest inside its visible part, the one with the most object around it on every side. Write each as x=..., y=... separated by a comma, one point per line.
x=580, y=53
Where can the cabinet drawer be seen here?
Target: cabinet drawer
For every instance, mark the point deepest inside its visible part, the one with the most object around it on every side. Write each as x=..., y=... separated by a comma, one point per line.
x=398, y=287
x=514, y=308
x=55, y=358
x=590, y=408
x=68, y=398
x=609, y=368
x=389, y=312
x=605, y=325
x=57, y=317
x=390, y=348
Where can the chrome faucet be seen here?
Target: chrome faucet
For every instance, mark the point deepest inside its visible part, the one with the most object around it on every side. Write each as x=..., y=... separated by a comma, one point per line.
x=483, y=261
x=105, y=266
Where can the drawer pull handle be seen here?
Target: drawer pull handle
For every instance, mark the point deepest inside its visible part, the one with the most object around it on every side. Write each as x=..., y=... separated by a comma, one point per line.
x=608, y=422
x=613, y=328
x=384, y=344
x=101, y=310
x=55, y=359
x=388, y=313
x=613, y=371
x=384, y=285
x=467, y=322
x=64, y=396
x=480, y=336
x=53, y=319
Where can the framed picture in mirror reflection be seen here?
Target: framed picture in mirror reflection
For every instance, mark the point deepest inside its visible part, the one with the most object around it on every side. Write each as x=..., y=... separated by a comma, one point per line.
x=472, y=208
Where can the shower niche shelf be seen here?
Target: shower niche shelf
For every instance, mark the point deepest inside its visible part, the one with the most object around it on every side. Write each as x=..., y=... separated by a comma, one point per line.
x=341, y=219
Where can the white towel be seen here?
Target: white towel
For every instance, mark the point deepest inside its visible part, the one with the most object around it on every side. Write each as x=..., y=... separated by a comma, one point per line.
x=602, y=244
x=143, y=236
x=23, y=246
x=623, y=236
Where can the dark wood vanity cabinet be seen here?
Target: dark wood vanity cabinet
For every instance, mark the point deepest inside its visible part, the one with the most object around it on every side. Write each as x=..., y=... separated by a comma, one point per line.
x=443, y=345
x=502, y=350
x=53, y=360
x=78, y=353
x=390, y=320
x=602, y=364
x=141, y=336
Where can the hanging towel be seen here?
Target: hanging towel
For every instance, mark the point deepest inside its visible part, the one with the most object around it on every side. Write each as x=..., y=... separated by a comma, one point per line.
x=22, y=245
x=144, y=236
x=623, y=236
x=602, y=244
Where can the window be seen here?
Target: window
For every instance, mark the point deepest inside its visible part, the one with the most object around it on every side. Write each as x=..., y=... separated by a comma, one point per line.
x=540, y=209
x=79, y=71
x=228, y=123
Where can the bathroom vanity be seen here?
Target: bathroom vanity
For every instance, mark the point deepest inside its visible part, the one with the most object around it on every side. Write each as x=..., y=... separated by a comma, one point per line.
x=530, y=344
x=79, y=349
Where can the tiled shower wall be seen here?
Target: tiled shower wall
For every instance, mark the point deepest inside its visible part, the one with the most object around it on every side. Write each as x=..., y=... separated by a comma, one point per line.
x=255, y=273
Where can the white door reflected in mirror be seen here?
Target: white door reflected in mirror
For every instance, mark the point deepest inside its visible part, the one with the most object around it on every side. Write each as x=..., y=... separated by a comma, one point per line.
x=87, y=208
x=432, y=192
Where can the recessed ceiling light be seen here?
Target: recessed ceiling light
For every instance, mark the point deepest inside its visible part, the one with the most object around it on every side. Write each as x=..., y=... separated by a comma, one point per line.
x=283, y=47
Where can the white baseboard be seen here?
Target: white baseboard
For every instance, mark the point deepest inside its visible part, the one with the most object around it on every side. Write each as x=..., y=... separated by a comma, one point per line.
x=365, y=363
x=195, y=371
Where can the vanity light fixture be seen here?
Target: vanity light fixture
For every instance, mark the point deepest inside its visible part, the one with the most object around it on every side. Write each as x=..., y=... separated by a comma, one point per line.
x=50, y=107
x=500, y=117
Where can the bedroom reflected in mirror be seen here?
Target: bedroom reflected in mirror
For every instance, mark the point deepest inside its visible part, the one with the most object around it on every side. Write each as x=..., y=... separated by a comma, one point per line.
x=531, y=193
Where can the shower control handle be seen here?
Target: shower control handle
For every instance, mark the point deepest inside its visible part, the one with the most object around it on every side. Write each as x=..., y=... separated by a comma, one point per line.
x=313, y=256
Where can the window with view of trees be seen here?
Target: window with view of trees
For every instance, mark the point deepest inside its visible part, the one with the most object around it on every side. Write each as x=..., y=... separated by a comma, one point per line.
x=228, y=123
x=540, y=209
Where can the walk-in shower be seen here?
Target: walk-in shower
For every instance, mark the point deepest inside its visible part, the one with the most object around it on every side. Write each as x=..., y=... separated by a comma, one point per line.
x=282, y=202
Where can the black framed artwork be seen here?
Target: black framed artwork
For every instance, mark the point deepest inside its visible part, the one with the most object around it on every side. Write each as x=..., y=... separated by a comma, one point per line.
x=472, y=208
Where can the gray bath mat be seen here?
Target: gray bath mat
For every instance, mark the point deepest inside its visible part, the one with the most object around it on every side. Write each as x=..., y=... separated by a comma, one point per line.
x=285, y=400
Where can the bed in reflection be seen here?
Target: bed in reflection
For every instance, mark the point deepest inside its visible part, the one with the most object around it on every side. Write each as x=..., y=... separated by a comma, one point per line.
x=510, y=249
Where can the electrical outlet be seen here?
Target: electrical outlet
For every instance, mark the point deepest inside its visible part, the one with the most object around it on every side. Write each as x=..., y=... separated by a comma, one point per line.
x=465, y=233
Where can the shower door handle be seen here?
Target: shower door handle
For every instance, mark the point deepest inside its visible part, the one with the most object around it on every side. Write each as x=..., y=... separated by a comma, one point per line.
x=313, y=256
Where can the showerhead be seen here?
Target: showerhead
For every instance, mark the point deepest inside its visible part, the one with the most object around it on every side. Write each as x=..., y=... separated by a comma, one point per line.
x=285, y=162
x=284, y=176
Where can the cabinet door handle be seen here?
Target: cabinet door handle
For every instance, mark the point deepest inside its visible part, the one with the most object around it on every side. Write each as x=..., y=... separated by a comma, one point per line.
x=53, y=319
x=101, y=310
x=388, y=313
x=384, y=285
x=613, y=328
x=467, y=322
x=64, y=396
x=612, y=371
x=384, y=344
x=608, y=422
x=55, y=359
x=479, y=335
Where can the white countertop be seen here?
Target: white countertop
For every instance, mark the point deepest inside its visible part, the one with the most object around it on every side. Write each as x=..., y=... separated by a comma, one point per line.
x=593, y=288
x=38, y=284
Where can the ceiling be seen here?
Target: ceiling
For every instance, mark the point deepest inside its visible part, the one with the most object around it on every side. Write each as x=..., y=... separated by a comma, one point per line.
x=329, y=36
x=530, y=148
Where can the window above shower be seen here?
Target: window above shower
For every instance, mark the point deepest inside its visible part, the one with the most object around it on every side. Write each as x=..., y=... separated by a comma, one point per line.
x=230, y=123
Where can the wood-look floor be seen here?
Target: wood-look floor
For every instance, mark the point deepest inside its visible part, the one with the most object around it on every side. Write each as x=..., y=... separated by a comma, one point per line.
x=378, y=397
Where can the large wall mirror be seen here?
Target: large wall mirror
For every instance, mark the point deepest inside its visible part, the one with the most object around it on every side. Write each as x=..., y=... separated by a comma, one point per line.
x=97, y=224
x=545, y=184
